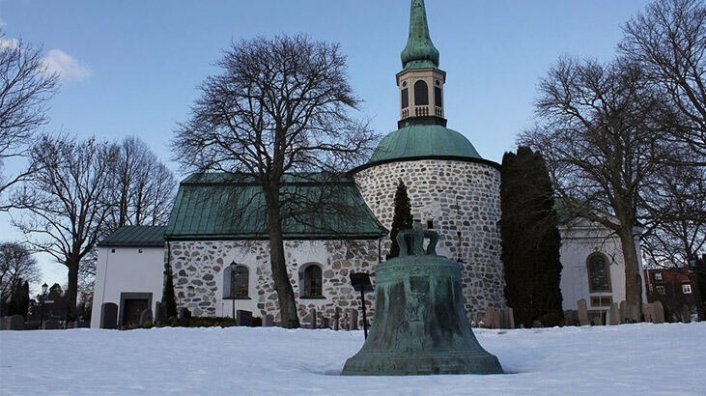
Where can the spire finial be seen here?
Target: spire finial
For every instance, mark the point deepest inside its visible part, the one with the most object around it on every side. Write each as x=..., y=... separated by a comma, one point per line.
x=420, y=51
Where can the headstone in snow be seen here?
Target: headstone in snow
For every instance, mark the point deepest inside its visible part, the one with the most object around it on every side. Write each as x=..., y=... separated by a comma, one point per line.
x=325, y=323
x=160, y=312
x=337, y=318
x=15, y=322
x=268, y=321
x=613, y=315
x=353, y=319
x=648, y=312
x=109, y=316
x=184, y=313
x=243, y=318
x=686, y=314
x=623, y=312
x=583, y=312
x=51, y=324
x=311, y=318
x=658, y=310
x=510, y=318
x=146, y=317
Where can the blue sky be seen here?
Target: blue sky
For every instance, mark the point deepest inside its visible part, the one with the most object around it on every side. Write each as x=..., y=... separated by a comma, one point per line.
x=132, y=67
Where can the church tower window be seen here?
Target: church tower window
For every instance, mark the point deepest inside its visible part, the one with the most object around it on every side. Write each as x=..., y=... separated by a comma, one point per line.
x=421, y=93
x=405, y=98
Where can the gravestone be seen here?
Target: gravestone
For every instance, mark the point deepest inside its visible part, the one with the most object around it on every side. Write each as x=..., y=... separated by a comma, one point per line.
x=336, y=318
x=583, y=312
x=325, y=323
x=623, y=312
x=3, y=322
x=51, y=324
x=109, y=316
x=243, y=318
x=160, y=312
x=491, y=318
x=146, y=317
x=15, y=322
x=311, y=318
x=648, y=312
x=420, y=321
x=268, y=321
x=353, y=319
x=613, y=315
x=686, y=314
x=184, y=313
x=633, y=313
x=658, y=312
x=510, y=318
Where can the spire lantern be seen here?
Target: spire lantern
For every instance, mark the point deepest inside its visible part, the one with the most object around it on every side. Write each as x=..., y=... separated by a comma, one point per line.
x=420, y=51
x=421, y=82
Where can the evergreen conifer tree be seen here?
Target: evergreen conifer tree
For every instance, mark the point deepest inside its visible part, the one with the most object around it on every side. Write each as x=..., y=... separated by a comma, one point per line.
x=168, y=297
x=402, y=218
x=530, y=240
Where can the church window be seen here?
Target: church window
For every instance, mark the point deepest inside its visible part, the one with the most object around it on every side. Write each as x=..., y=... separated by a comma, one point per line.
x=421, y=93
x=437, y=97
x=658, y=276
x=236, y=281
x=405, y=98
x=313, y=282
x=601, y=301
x=686, y=289
x=598, y=273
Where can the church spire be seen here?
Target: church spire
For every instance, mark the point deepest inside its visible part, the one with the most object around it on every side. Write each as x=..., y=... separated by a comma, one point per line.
x=420, y=51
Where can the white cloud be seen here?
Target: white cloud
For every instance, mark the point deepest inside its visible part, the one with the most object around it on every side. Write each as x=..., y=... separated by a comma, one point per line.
x=66, y=66
x=12, y=43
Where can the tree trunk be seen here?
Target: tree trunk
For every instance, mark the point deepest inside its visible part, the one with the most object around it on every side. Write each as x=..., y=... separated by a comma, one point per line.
x=72, y=291
x=280, y=275
x=633, y=280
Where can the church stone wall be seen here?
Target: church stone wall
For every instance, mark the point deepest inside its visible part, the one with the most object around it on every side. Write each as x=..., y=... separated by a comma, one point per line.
x=198, y=268
x=462, y=199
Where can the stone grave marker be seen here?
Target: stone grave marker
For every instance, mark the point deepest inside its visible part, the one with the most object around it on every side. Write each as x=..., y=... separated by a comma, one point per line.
x=353, y=319
x=311, y=318
x=613, y=315
x=623, y=312
x=160, y=312
x=325, y=323
x=51, y=324
x=658, y=310
x=109, y=316
x=336, y=318
x=510, y=318
x=146, y=317
x=243, y=318
x=648, y=312
x=685, y=314
x=268, y=321
x=583, y=312
x=15, y=322
x=3, y=322
x=184, y=313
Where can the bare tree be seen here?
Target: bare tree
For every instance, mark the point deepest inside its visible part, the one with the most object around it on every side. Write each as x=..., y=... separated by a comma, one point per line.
x=25, y=87
x=16, y=262
x=668, y=40
x=597, y=129
x=64, y=201
x=142, y=188
x=675, y=201
x=280, y=107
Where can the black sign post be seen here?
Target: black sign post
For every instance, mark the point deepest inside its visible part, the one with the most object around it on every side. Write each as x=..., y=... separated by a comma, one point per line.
x=361, y=282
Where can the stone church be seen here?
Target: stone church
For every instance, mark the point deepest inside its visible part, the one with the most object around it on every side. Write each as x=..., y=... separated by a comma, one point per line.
x=221, y=264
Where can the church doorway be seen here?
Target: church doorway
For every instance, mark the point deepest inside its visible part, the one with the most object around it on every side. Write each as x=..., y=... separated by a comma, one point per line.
x=131, y=307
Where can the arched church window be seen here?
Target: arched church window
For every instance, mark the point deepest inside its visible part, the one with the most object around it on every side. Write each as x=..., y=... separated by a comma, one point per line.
x=236, y=281
x=598, y=273
x=421, y=93
x=405, y=98
x=313, y=282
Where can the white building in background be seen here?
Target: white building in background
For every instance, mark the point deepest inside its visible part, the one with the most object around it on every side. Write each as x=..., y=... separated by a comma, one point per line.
x=593, y=266
x=129, y=273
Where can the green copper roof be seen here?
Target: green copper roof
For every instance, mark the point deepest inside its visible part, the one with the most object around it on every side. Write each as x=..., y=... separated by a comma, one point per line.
x=137, y=236
x=221, y=206
x=420, y=51
x=423, y=141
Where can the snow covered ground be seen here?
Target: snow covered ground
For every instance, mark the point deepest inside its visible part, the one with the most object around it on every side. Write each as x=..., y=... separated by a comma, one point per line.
x=641, y=359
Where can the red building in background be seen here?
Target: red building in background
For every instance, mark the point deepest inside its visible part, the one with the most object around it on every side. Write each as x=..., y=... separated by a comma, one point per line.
x=678, y=287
